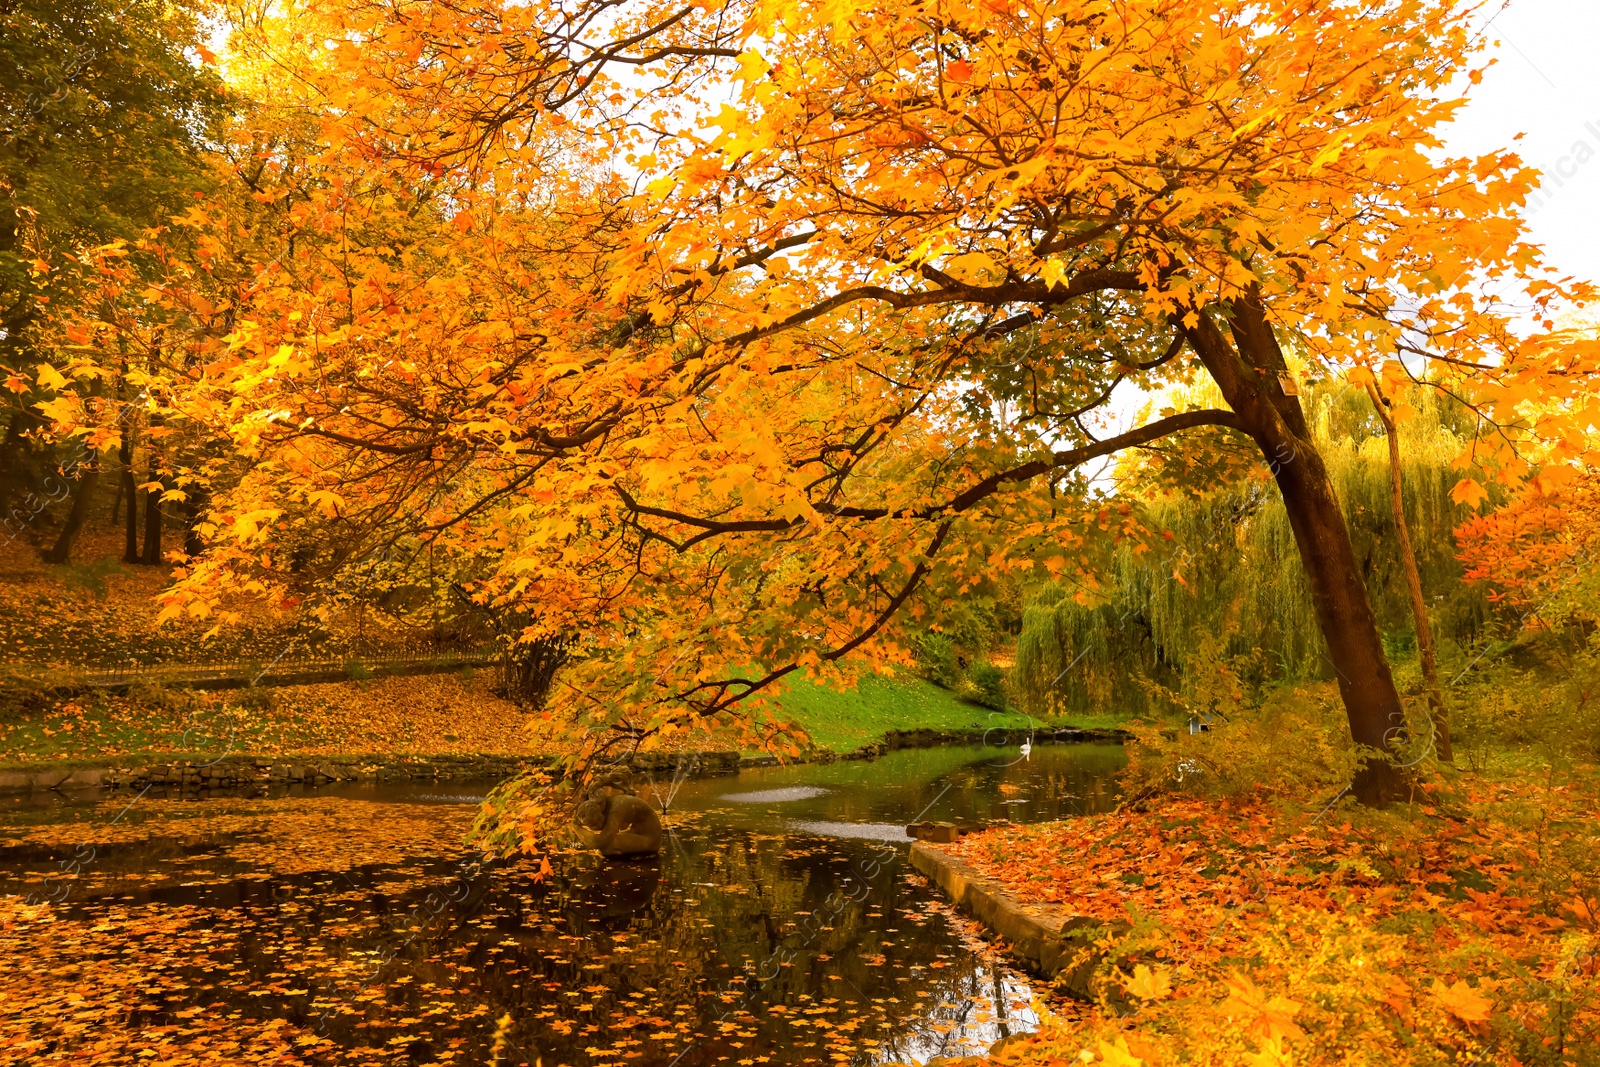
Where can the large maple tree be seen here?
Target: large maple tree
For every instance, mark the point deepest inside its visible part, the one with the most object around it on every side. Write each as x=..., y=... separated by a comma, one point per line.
x=740, y=333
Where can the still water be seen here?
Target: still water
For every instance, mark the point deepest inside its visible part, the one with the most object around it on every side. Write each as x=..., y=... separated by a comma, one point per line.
x=781, y=924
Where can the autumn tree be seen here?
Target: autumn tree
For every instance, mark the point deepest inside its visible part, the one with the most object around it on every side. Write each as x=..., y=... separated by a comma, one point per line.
x=1422, y=626
x=1536, y=554
x=104, y=109
x=1223, y=585
x=773, y=325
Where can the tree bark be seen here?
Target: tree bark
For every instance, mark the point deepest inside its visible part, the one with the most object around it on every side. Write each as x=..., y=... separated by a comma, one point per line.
x=1419, y=605
x=193, y=506
x=13, y=457
x=88, y=471
x=1251, y=381
x=152, y=520
x=152, y=500
x=130, y=521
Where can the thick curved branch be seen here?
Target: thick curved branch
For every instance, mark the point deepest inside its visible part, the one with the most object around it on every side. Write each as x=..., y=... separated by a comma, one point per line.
x=1168, y=356
x=1058, y=461
x=1075, y=457
x=1032, y=292
x=597, y=428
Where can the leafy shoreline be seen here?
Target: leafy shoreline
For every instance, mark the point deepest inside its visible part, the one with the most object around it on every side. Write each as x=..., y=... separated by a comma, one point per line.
x=427, y=716
x=1458, y=927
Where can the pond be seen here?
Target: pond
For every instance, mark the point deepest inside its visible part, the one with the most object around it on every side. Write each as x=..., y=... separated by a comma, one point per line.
x=781, y=924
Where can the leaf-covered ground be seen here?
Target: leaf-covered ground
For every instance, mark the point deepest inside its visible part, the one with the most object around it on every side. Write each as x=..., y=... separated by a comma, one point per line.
x=1459, y=930
x=435, y=714
x=101, y=612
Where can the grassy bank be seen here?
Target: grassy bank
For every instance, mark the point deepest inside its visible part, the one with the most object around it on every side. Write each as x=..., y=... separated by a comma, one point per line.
x=102, y=612
x=843, y=721
x=428, y=715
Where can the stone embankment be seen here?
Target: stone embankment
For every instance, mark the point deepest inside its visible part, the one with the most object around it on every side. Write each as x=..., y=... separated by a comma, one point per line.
x=1047, y=940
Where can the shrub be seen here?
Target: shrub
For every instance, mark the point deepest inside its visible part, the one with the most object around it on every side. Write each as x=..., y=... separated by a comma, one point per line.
x=1295, y=740
x=936, y=659
x=1555, y=712
x=255, y=698
x=985, y=684
x=21, y=697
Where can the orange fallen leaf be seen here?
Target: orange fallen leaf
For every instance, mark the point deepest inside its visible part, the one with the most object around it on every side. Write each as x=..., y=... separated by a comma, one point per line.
x=1462, y=1001
x=1271, y=1018
x=1149, y=985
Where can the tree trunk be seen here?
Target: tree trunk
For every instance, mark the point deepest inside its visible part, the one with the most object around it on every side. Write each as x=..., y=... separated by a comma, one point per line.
x=1349, y=627
x=1252, y=381
x=193, y=507
x=130, y=521
x=152, y=520
x=1419, y=605
x=531, y=669
x=14, y=453
x=88, y=471
x=127, y=482
x=527, y=668
x=152, y=500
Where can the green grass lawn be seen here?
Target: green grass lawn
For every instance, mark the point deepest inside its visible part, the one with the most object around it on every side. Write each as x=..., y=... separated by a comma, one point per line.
x=848, y=720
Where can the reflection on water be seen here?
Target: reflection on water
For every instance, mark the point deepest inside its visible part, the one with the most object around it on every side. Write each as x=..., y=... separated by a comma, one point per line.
x=776, y=796
x=781, y=923
x=945, y=783
x=860, y=831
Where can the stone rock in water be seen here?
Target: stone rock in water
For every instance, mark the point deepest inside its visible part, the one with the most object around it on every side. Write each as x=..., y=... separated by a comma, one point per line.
x=617, y=824
x=936, y=833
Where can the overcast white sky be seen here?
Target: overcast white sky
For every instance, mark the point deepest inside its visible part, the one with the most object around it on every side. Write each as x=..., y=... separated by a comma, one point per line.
x=1546, y=84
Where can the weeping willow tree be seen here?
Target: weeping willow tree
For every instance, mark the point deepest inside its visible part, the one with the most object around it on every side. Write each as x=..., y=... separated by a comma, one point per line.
x=1224, y=604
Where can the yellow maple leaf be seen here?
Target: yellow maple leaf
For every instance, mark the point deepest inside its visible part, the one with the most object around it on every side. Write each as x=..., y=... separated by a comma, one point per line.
x=1271, y=1018
x=753, y=66
x=1272, y=1054
x=1467, y=491
x=1149, y=985
x=329, y=501
x=48, y=377
x=1054, y=273
x=1117, y=1055
x=1462, y=1001
x=973, y=268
